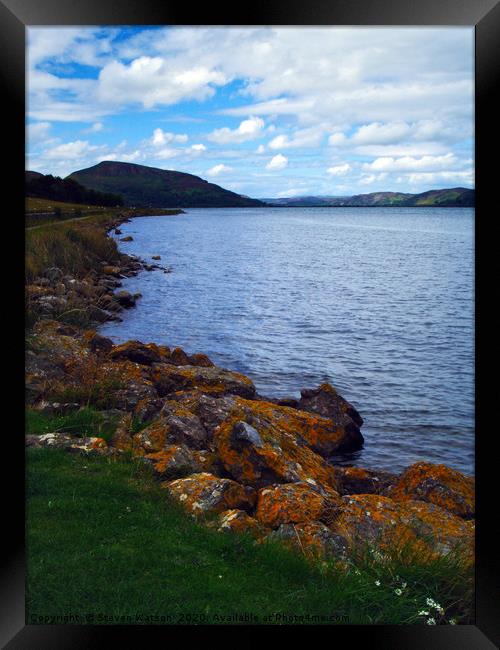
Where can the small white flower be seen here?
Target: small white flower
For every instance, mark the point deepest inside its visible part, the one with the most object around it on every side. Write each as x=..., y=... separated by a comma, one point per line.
x=398, y=592
x=431, y=621
x=377, y=582
x=453, y=621
x=220, y=576
x=423, y=612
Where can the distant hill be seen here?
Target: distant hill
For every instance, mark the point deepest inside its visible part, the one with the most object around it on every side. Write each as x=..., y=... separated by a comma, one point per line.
x=68, y=190
x=454, y=197
x=151, y=187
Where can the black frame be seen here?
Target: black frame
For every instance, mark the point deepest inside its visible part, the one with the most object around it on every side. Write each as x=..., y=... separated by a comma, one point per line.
x=15, y=15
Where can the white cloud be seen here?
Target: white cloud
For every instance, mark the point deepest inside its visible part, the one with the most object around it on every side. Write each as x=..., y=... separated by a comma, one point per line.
x=198, y=147
x=278, y=162
x=310, y=137
x=408, y=163
x=378, y=133
x=247, y=130
x=153, y=81
x=218, y=169
x=337, y=139
x=38, y=132
x=71, y=150
x=160, y=138
x=260, y=149
x=97, y=126
x=339, y=170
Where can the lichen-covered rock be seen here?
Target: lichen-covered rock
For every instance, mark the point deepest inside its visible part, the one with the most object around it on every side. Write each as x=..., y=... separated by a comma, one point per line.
x=147, y=409
x=312, y=538
x=173, y=462
x=136, y=351
x=325, y=401
x=296, y=503
x=58, y=440
x=417, y=530
x=175, y=424
x=201, y=360
x=279, y=451
x=204, y=493
x=438, y=484
x=238, y=521
x=213, y=381
x=179, y=357
x=357, y=480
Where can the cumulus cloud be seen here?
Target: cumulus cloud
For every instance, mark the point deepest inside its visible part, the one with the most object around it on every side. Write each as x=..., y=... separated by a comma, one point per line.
x=277, y=162
x=71, y=150
x=247, y=130
x=218, y=169
x=161, y=138
x=408, y=163
x=339, y=170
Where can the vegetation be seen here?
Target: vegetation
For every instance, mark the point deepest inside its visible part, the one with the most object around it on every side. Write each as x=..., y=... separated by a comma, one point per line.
x=455, y=197
x=129, y=551
x=67, y=189
x=83, y=422
x=148, y=186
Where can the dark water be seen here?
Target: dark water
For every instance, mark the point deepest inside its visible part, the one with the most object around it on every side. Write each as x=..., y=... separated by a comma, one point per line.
x=379, y=302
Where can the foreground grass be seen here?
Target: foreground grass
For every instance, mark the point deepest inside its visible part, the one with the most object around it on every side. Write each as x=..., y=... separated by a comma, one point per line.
x=104, y=543
x=82, y=422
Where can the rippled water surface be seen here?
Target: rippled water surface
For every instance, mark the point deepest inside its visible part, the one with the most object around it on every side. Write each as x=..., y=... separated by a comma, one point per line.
x=379, y=302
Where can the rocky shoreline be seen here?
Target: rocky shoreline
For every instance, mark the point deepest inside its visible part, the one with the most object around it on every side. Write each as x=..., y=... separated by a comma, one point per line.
x=236, y=459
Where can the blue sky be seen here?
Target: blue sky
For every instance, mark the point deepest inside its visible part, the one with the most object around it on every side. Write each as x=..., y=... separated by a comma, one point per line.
x=263, y=111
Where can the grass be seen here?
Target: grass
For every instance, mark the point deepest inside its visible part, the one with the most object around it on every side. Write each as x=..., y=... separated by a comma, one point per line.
x=105, y=544
x=82, y=422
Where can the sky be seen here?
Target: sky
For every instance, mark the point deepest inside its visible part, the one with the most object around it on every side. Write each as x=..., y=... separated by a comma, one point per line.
x=262, y=111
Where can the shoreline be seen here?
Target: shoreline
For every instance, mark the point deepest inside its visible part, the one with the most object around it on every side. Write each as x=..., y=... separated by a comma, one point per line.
x=218, y=447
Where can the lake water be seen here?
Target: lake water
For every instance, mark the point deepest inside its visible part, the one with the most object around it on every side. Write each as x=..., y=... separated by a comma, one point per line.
x=379, y=302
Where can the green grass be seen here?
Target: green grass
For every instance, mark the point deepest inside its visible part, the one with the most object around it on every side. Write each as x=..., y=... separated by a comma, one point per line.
x=103, y=540
x=83, y=422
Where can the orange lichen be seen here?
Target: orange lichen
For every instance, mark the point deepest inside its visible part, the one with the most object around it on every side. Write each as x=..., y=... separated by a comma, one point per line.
x=238, y=521
x=294, y=503
x=438, y=484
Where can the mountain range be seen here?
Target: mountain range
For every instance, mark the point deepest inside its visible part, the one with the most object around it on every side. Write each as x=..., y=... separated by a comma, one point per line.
x=453, y=197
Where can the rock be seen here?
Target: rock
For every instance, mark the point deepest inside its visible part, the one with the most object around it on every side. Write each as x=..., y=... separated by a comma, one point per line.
x=199, y=360
x=118, y=231
x=53, y=274
x=98, y=343
x=175, y=425
x=173, y=462
x=328, y=403
x=214, y=381
x=242, y=431
x=125, y=299
x=412, y=530
x=51, y=408
x=296, y=503
x=204, y=494
x=156, y=257
x=282, y=453
x=64, y=441
x=111, y=270
x=127, y=238
x=147, y=409
x=179, y=357
x=142, y=353
x=97, y=314
x=238, y=521
x=312, y=538
x=356, y=480
x=438, y=484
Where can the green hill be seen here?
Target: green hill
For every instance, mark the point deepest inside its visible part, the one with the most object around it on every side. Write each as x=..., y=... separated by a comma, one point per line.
x=67, y=190
x=454, y=197
x=151, y=187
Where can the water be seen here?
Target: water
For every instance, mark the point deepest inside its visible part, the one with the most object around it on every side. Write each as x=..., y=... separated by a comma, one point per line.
x=379, y=302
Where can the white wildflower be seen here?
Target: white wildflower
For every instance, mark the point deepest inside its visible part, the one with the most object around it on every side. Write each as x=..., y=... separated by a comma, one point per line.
x=431, y=621
x=423, y=612
x=453, y=621
x=398, y=592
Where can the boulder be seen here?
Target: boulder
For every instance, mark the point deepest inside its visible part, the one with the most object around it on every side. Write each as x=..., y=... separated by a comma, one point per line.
x=412, y=530
x=199, y=360
x=127, y=238
x=156, y=257
x=179, y=358
x=98, y=343
x=175, y=425
x=445, y=487
x=125, y=299
x=58, y=440
x=214, y=381
x=357, y=480
x=173, y=462
x=145, y=354
x=295, y=503
x=205, y=494
x=238, y=521
x=312, y=538
x=260, y=444
x=325, y=401
x=111, y=270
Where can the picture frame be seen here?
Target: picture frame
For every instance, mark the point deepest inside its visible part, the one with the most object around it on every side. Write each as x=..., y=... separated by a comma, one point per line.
x=15, y=16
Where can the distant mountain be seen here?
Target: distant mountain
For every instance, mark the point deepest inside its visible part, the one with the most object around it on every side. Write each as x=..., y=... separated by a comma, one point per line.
x=454, y=197
x=46, y=186
x=151, y=187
